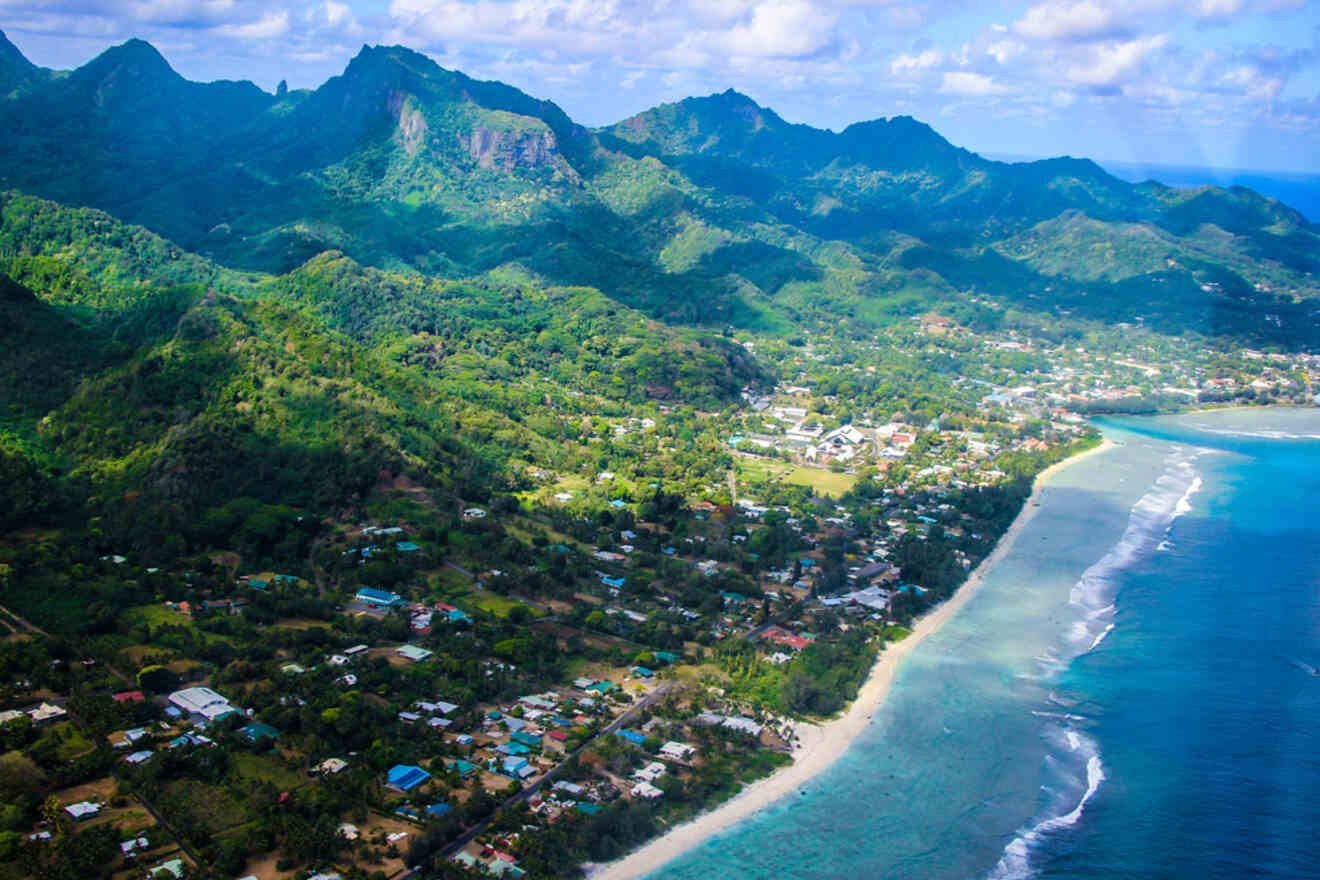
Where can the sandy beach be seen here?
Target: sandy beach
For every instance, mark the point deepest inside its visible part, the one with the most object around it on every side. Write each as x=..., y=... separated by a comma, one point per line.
x=819, y=745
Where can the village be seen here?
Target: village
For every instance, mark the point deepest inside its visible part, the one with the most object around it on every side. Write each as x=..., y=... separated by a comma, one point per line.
x=577, y=666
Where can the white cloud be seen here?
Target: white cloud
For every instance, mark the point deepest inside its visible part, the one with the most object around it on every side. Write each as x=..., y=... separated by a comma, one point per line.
x=1218, y=8
x=265, y=28
x=908, y=65
x=783, y=28
x=970, y=85
x=1108, y=64
x=1065, y=20
x=1004, y=51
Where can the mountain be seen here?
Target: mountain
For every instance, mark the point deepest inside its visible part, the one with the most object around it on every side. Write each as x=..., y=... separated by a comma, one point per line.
x=712, y=211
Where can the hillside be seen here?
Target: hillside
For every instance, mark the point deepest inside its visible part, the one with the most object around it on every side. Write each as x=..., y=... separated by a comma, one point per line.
x=712, y=211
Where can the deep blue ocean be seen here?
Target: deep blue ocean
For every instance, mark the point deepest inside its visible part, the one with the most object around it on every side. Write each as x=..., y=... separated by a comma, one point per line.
x=1295, y=189
x=1135, y=692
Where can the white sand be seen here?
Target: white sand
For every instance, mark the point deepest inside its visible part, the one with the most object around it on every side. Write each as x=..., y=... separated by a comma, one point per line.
x=819, y=745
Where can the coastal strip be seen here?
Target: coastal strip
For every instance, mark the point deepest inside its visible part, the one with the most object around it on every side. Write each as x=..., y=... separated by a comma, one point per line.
x=819, y=745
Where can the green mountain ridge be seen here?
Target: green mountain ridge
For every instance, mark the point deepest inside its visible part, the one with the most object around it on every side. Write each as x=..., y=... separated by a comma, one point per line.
x=711, y=211
x=432, y=263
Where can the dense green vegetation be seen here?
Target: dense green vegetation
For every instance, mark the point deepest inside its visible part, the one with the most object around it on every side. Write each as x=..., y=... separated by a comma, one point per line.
x=241, y=333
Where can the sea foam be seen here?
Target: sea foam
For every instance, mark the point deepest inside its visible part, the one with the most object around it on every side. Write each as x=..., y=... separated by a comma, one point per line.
x=1150, y=524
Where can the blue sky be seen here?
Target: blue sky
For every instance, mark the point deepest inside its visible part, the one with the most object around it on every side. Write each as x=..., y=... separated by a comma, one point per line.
x=1232, y=83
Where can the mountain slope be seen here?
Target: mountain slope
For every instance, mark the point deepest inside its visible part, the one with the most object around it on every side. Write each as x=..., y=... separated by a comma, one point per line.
x=710, y=211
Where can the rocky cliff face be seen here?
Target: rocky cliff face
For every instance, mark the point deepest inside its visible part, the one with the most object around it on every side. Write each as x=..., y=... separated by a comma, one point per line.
x=511, y=150
x=412, y=130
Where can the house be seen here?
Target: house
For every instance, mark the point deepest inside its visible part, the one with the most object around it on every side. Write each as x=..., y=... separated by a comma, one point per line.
x=189, y=739
x=378, y=598
x=642, y=672
x=355, y=650
x=202, y=701
x=783, y=637
x=742, y=725
x=413, y=653
x=527, y=739
x=165, y=870
x=650, y=773
x=139, y=757
x=129, y=847
x=130, y=697
x=646, y=791
x=407, y=547
x=258, y=731
x=331, y=765
x=46, y=712
x=678, y=751
x=435, y=811
x=631, y=736
x=83, y=810
x=404, y=777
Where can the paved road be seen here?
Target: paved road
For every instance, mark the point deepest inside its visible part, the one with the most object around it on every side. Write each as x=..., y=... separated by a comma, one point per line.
x=609, y=729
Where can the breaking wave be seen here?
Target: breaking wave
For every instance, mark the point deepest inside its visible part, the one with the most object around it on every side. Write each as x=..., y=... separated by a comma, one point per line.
x=1075, y=757
x=1016, y=863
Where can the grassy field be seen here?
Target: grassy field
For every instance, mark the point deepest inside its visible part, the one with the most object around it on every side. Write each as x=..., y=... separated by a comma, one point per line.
x=266, y=767
x=204, y=806
x=824, y=482
x=458, y=591
x=158, y=615
x=69, y=741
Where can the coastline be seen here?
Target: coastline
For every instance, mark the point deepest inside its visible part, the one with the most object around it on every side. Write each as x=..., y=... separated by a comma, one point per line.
x=820, y=744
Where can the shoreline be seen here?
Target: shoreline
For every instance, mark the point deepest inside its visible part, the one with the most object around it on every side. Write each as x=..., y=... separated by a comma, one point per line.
x=819, y=745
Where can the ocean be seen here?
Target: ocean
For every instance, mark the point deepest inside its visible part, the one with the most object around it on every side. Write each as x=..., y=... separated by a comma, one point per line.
x=1134, y=692
x=1296, y=189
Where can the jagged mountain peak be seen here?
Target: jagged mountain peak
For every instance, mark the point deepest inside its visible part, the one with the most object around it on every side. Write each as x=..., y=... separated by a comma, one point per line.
x=11, y=57
x=135, y=58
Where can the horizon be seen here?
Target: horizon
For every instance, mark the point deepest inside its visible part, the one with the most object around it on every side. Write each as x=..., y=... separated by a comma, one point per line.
x=1224, y=84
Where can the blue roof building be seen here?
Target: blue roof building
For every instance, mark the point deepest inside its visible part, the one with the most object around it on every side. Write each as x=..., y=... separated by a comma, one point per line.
x=631, y=736
x=256, y=730
x=407, y=547
x=435, y=811
x=404, y=777
x=379, y=598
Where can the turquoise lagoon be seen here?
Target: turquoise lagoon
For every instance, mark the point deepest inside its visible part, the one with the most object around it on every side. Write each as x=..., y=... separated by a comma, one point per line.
x=1135, y=692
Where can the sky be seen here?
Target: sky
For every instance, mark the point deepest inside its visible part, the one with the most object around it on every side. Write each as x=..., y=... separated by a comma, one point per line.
x=1224, y=83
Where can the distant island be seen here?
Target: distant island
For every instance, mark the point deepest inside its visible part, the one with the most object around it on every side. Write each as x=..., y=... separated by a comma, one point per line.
x=401, y=479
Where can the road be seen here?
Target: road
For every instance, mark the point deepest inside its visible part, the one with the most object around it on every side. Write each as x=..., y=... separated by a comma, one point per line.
x=650, y=699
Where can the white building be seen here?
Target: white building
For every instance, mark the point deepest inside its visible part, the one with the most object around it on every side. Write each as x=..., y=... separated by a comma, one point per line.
x=202, y=701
